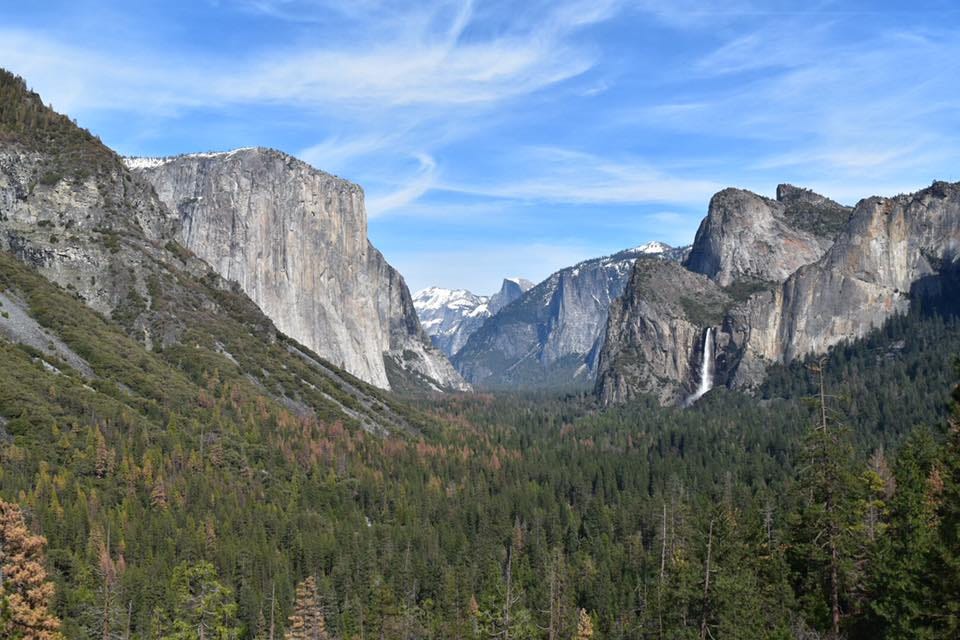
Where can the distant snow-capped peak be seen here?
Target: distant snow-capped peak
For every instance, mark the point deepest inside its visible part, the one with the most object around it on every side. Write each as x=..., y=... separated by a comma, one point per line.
x=653, y=247
x=450, y=316
x=439, y=298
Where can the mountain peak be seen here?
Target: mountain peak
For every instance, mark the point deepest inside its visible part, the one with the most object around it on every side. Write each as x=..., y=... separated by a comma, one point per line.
x=652, y=247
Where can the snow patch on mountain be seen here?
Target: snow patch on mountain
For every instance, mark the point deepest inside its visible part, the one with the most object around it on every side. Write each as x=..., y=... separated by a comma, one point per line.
x=451, y=316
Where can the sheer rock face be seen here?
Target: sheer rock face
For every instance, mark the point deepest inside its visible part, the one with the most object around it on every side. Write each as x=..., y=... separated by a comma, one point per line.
x=98, y=235
x=551, y=336
x=511, y=289
x=655, y=333
x=748, y=237
x=295, y=240
x=778, y=304
x=891, y=250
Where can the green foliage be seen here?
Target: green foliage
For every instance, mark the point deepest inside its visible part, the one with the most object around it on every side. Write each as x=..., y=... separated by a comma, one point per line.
x=945, y=557
x=26, y=121
x=202, y=606
x=178, y=454
x=898, y=583
x=825, y=533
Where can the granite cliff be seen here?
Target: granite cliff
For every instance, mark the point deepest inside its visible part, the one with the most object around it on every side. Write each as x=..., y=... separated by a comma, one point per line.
x=73, y=213
x=295, y=240
x=783, y=278
x=746, y=237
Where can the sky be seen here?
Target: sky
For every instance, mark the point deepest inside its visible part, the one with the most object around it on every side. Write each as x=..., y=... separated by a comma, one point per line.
x=507, y=138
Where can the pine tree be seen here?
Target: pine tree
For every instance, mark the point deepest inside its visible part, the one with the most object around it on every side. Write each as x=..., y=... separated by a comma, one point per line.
x=23, y=581
x=307, y=621
x=829, y=516
x=203, y=608
x=945, y=559
x=898, y=580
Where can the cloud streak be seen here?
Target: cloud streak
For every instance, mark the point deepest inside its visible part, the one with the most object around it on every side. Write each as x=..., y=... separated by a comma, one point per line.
x=422, y=60
x=576, y=177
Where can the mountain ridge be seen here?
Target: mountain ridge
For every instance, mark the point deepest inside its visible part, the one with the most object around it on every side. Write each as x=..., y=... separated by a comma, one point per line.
x=451, y=316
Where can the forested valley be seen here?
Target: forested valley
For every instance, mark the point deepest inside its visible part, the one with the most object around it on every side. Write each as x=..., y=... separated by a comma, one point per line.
x=181, y=501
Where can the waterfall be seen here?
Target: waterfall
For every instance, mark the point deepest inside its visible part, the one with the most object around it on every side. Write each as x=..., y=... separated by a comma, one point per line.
x=706, y=368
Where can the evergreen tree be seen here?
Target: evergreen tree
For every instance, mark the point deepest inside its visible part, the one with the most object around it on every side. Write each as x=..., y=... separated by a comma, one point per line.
x=307, y=621
x=203, y=608
x=898, y=584
x=24, y=590
x=945, y=558
x=825, y=528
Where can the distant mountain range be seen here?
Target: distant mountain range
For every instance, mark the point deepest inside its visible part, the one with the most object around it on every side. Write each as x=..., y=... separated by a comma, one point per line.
x=548, y=335
x=451, y=316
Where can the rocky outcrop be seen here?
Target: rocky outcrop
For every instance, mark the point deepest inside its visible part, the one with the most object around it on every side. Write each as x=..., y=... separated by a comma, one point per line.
x=87, y=224
x=510, y=290
x=655, y=332
x=295, y=240
x=551, y=336
x=746, y=237
x=876, y=260
x=73, y=212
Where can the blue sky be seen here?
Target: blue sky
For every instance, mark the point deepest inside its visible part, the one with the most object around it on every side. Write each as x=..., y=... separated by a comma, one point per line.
x=513, y=138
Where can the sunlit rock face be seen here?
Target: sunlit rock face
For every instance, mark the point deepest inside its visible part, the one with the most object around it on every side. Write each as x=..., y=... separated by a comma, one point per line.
x=295, y=240
x=748, y=237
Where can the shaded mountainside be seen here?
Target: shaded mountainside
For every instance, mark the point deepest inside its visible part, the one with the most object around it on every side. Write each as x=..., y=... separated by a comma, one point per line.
x=802, y=274
x=295, y=239
x=451, y=316
x=83, y=221
x=551, y=335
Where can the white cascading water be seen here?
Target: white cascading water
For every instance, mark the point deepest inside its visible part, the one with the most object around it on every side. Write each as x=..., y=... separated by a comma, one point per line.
x=706, y=368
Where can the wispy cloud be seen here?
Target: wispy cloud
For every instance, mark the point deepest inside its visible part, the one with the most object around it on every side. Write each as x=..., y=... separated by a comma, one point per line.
x=861, y=114
x=569, y=176
x=474, y=123
x=411, y=189
x=422, y=60
x=340, y=150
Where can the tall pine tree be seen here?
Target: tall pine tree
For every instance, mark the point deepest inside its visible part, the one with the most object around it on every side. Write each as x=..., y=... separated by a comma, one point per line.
x=825, y=538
